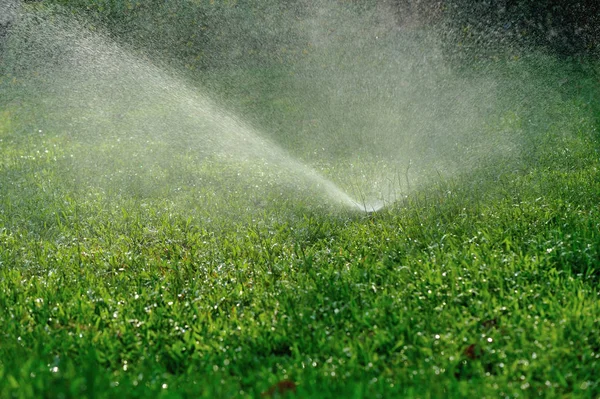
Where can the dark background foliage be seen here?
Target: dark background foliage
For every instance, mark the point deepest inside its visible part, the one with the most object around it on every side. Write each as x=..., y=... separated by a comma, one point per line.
x=208, y=34
x=211, y=34
x=565, y=28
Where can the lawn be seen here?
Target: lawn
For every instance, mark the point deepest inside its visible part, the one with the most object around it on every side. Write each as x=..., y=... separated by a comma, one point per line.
x=142, y=254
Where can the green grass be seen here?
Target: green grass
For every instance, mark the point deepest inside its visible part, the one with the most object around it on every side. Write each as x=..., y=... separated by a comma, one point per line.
x=120, y=296
x=182, y=277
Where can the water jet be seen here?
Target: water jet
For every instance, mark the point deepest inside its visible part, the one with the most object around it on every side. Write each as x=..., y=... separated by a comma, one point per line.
x=140, y=114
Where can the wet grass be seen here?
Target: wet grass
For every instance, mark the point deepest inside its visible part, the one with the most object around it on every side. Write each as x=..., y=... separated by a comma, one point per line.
x=187, y=280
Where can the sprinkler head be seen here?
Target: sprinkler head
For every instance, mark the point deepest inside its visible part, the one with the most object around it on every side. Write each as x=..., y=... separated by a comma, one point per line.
x=370, y=207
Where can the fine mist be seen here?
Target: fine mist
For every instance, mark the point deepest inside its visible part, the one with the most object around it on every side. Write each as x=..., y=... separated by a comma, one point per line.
x=384, y=110
x=366, y=111
x=129, y=117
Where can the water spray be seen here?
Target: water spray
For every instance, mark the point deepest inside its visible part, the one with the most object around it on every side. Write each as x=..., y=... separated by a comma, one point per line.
x=384, y=99
x=116, y=95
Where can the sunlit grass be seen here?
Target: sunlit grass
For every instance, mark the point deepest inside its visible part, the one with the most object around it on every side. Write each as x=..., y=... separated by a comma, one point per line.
x=482, y=284
x=134, y=266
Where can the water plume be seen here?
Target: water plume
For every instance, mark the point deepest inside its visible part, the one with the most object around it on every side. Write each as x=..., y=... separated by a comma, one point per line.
x=360, y=110
x=103, y=95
